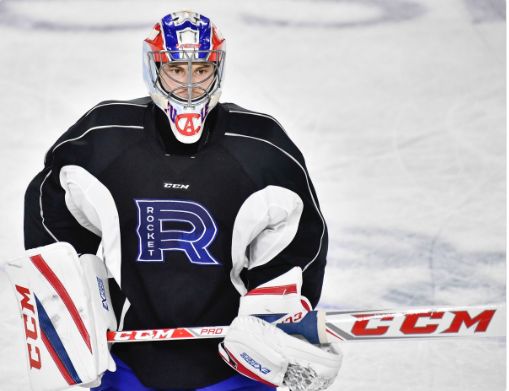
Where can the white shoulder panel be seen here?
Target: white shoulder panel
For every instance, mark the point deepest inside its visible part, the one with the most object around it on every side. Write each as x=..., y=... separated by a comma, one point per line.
x=93, y=206
x=265, y=224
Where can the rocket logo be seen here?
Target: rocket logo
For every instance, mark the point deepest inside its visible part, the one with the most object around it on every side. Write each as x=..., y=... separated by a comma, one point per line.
x=175, y=225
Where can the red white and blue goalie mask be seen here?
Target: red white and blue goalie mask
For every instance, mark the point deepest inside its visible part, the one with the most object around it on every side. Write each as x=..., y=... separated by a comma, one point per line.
x=184, y=38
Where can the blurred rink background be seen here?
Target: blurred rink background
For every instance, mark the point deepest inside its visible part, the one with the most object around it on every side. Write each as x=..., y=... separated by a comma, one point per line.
x=399, y=107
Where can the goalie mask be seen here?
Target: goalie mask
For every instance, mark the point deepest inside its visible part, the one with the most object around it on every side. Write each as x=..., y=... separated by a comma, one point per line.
x=183, y=69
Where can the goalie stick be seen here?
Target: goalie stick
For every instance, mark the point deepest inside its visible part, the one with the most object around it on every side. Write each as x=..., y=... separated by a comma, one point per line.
x=320, y=327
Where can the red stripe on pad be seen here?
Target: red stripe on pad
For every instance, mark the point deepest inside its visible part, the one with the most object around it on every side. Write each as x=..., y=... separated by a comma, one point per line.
x=273, y=290
x=46, y=271
x=57, y=360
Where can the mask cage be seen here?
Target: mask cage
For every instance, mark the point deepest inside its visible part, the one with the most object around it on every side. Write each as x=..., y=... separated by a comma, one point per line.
x=158, y=59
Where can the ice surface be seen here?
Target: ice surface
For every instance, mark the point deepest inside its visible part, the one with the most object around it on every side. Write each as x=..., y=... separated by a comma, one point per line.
x=398, y=106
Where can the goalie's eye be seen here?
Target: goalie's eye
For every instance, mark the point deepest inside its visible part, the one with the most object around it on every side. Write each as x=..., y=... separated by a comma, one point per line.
x=175, y=71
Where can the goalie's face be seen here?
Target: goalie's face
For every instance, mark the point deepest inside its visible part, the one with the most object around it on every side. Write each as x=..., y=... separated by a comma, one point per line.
x=184, y=79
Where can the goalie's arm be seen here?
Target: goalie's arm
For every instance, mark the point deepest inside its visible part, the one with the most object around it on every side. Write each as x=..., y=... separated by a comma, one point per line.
x=296, y=228
x=47, y=218
x=67, y=201
x=280, y=225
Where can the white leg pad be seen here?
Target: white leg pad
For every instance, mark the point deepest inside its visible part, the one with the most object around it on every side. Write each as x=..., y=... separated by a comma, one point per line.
x=65, y=310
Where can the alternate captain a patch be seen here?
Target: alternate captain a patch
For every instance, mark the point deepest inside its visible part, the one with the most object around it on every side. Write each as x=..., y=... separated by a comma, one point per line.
x=175, y=225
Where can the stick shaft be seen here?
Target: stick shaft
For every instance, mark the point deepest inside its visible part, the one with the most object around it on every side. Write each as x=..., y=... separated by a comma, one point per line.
x=350, y=326
x=167, y=334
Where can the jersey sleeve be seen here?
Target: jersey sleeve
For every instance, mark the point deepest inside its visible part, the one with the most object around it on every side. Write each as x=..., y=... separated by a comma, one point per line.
x=280, y=225
x=47, y=215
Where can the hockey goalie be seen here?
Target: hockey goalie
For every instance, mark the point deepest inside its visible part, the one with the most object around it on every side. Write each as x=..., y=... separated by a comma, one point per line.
x=205, y=212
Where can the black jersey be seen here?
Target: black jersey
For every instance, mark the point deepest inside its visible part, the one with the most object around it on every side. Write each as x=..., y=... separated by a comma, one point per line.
x=185, y=232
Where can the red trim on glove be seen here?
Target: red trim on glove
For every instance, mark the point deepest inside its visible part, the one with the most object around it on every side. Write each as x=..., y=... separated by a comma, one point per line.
x=274, y=290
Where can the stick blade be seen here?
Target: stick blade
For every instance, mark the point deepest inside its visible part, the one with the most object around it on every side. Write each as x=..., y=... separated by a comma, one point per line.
x=418, y=323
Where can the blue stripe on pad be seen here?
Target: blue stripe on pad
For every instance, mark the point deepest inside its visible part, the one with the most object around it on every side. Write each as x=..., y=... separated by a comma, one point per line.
x=51, y=334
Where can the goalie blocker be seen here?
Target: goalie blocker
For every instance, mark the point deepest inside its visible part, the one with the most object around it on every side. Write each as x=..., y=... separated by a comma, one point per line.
x=65, y=308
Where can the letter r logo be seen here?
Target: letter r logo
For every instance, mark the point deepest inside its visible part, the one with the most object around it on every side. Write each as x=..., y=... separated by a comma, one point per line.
x=175, y=225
